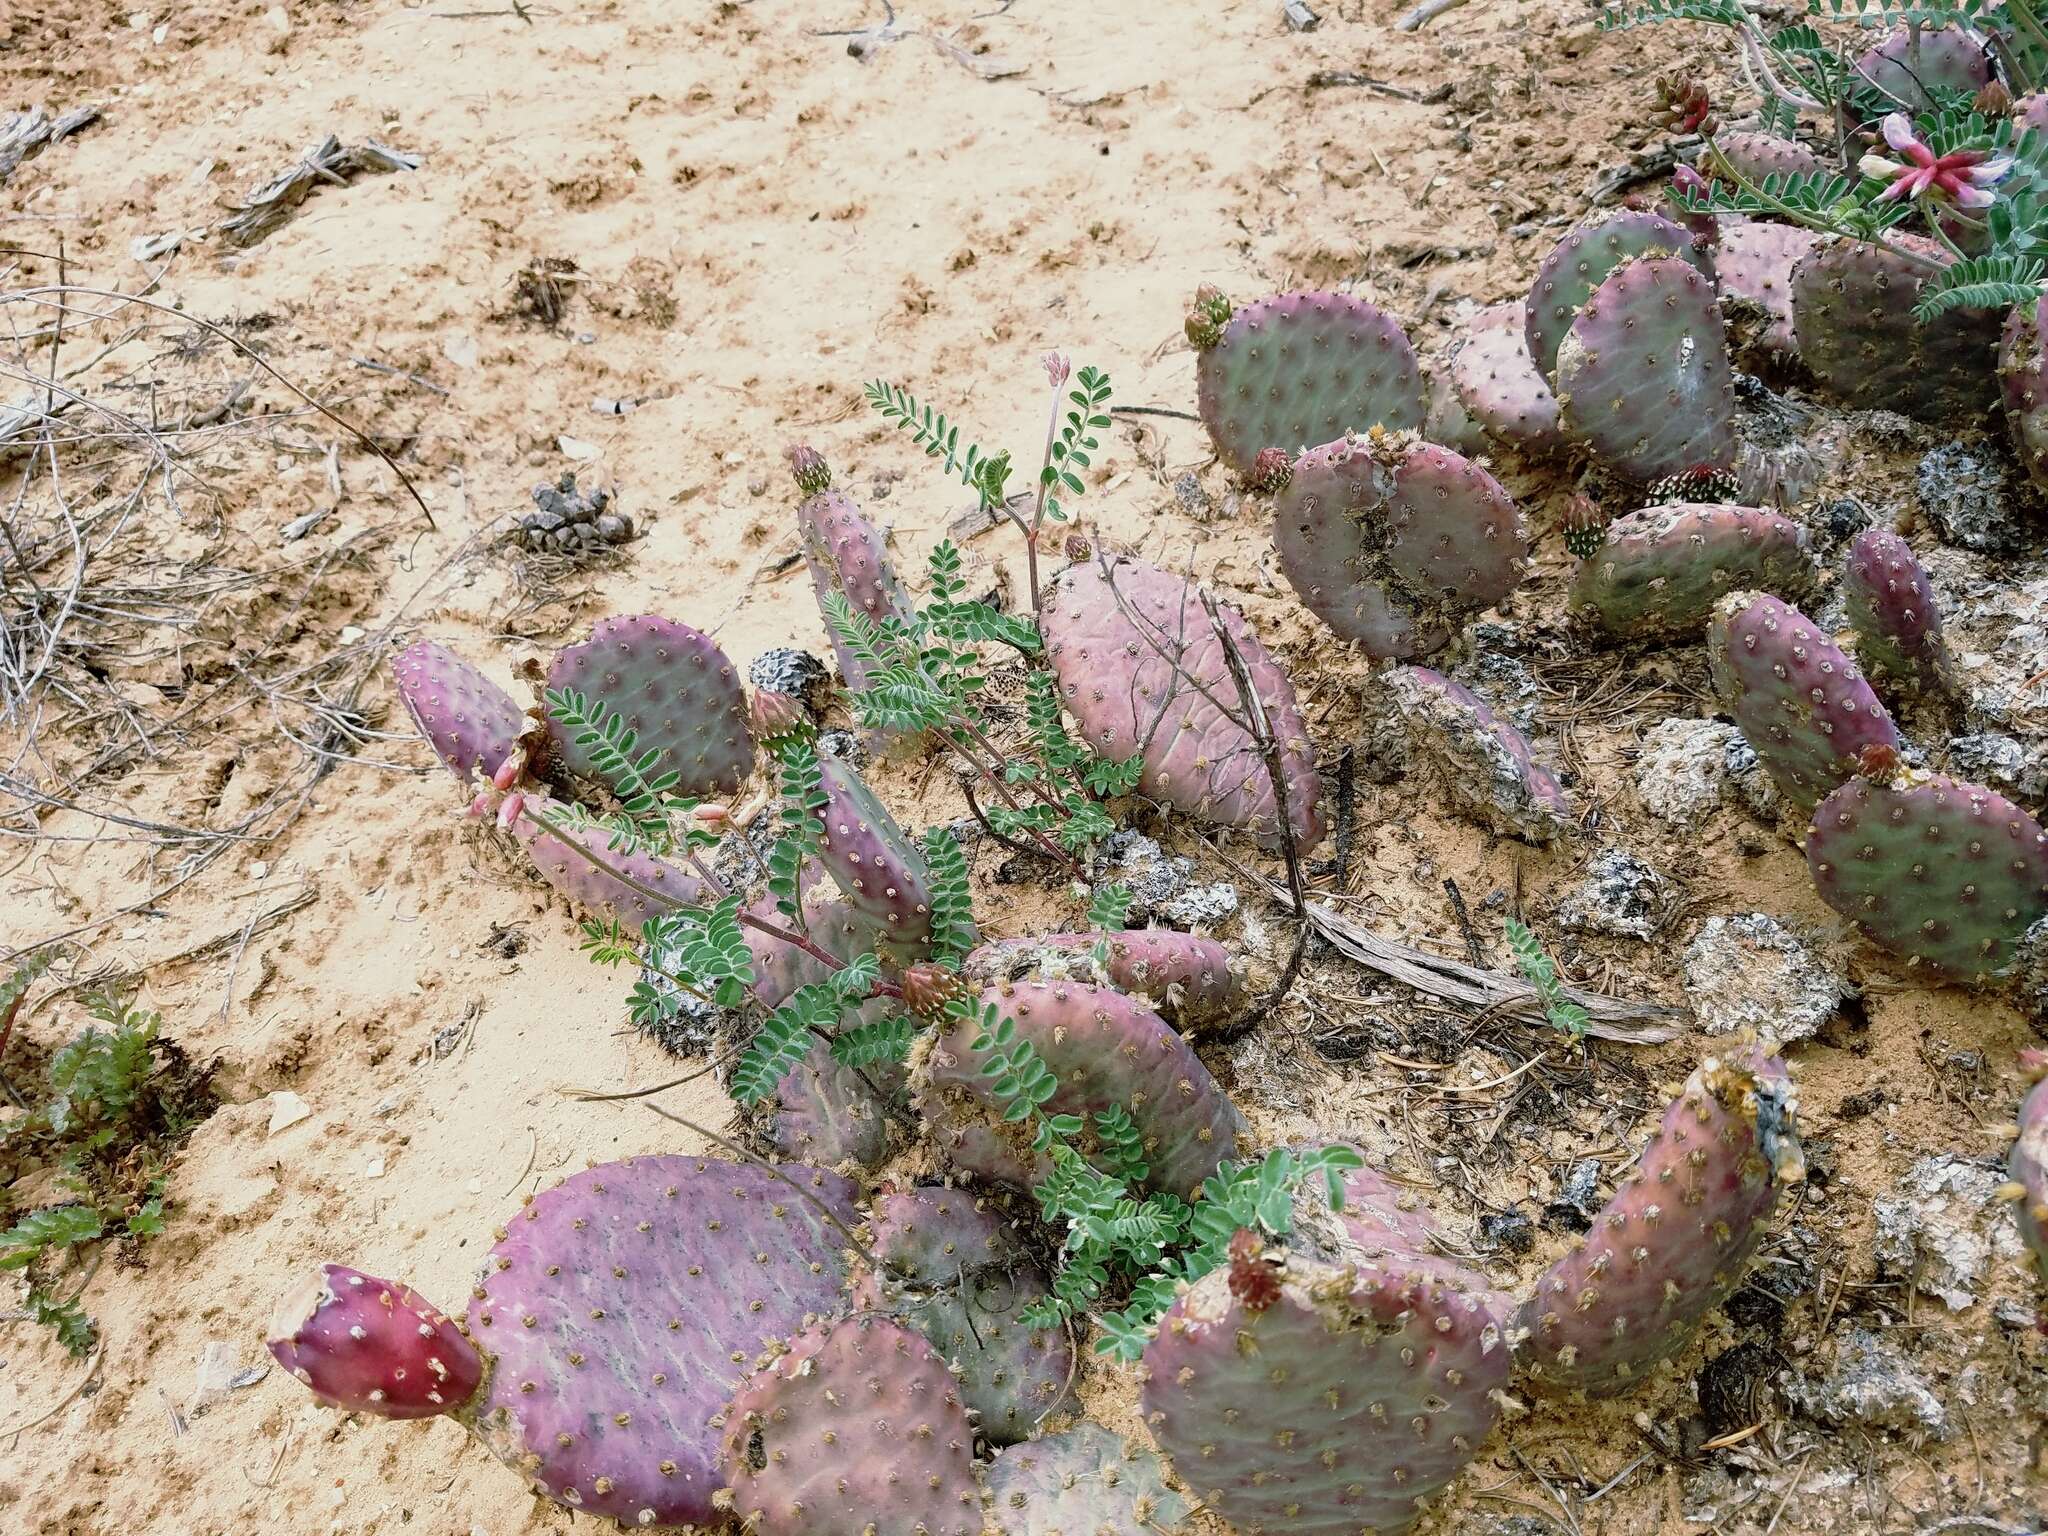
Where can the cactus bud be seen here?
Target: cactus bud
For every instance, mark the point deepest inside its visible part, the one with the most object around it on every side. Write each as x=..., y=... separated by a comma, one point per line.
x=1584, y=527
x=1684, y=105
x=775, y=715
x=1994, y=100
x=1205, y=321
x=813, y=475
x=1271, y=471
x=928, y=988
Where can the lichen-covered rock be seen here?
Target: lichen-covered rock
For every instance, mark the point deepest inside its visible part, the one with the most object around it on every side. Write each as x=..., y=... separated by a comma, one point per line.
x=1870, y=1384
x=1748, y=973
x=1968, y=493
x=1620, y=897
x=1943, y=1228
x=1687, y=768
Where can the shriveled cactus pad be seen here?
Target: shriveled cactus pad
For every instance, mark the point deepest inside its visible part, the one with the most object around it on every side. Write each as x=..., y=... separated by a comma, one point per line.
x=1159, y=964
x=624, y=1307
x=1946, y=873
x=856, y=1430
x=1675, y=1239
x=1660, y=571
x=1320, y=1392
x=678, y=691
x=1142, y=671
x=1083, y=1482
x=1483, y=763
x=471, y=723
x=1392, y=541
x=1301, y=368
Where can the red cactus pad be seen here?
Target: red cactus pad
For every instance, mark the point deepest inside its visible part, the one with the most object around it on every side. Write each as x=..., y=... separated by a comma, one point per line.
x=372, y=1346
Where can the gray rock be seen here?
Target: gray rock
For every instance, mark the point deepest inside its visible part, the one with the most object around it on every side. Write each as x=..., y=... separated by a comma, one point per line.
x=614, y=527
x=1943, y=1227
x=1689, y=767
x=2029, y=974
x=1969, y=495
x=1872, y=1385
x=680, y=1024
x=1621, y=897
x=2001, y=762
x=1193, y=499
x=1747, y=972
x=845, y=746
x=1202, y=906
x=1154, y=877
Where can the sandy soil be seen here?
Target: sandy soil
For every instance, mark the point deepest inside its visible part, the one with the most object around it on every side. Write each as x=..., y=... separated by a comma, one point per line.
x=758, y=223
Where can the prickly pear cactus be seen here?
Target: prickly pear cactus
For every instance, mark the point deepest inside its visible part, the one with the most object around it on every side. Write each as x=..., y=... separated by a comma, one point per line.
x=1905, y=66
x=1643, y=376
x=856, y=1428
x=2023, y=381
x=1948, y=874
x=1085, y=1481
x=621, y=1306
x=1318, y=1391
x=579, y=864
x=1392, y=541
x=826, y=1113
x=846, y=555
x=1675, y=1239
x=1755, y=261
x=1106, y=1050
x=2027, y=1168
x=1498, y=382
x=874, y=861
x=1482, y=762
x=1891, y=608
x=1753, y=157
x=1141, y=670
x=1799, y=702
x=470, y=722
x=1579, y=264
x=1301, y=368
x=957, y=1273
x=1661, y=570
x=1195, y=977
x=1852, y=311
x=2031, y=111
x=677, y=690
x=369, y=1346
x=1449, y=422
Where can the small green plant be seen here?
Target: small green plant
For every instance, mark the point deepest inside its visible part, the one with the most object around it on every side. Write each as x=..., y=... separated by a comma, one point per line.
x=1540, y=971
x=117, y=1103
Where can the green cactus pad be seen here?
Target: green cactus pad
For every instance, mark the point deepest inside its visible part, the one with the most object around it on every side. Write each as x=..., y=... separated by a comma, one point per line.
x=678, y=691
x=1799, y=702
x=1083, y=1482
x=1905, y=71
x=1301, y=368
x=1661, y=570
x=1852, y=311
x=2023, y=382
x=1676, y=1238
x=957, y=1273
x=1579, y=264
x=1643, y=376
x=1948, y=874
x=1499, y=385
x=1142, y=672
x=856, y=1427
x=1391, y=541
x=1320, y=1391
x=874, y=861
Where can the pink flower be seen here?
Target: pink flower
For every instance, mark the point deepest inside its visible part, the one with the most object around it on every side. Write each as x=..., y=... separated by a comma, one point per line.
x=1962, y=176
x=1056, y=368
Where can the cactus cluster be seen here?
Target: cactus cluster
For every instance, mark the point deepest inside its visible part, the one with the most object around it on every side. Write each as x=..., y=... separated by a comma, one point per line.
x=1658, y=572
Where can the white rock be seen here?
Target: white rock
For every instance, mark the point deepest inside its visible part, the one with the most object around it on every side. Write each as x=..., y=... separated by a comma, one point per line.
x=575, y=448
x=1747, y=972
x=286, y=1110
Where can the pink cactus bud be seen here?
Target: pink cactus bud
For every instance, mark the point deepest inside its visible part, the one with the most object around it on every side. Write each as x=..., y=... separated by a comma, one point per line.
x=370, y=1346
x=1271, y=470
x=813, y=475
x=776, y=714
